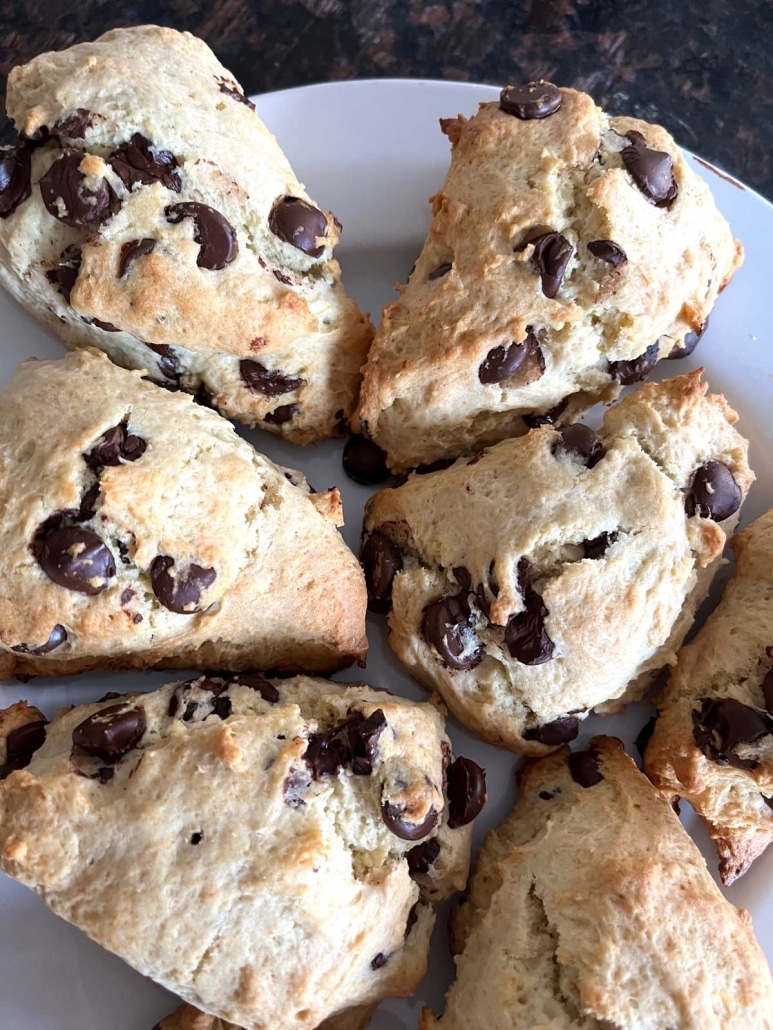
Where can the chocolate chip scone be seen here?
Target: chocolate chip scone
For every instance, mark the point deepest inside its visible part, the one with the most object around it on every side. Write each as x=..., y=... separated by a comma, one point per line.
x=558, y=572
x=568, y=252
x=713, y=740
x=187, y=1017
x=147, y=211
x=287, y=838
x=591, y=909
x=140, y=530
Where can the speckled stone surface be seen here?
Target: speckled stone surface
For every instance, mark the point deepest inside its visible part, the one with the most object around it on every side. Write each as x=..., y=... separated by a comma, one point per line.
x=703, y=68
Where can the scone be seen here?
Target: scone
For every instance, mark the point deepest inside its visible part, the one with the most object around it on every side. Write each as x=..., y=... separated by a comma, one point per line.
x=713, y=740
x=591, y=909
x=568, y=252
x=287, y=839
x=138, y=529
x=558, y=572
x=147, y=211
x=187, y=1017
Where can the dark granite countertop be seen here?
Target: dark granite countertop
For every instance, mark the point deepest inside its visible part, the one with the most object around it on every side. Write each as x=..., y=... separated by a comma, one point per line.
x=703, y=68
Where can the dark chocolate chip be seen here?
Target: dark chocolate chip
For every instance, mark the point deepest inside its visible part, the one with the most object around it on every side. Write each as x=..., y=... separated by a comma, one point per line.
x=353, y=742
x=106, y=327
x=222, y=707
x=635, y=369
x=266, y=381
x=559, y=731
x=548, y=795
x=466, y=792
x=180, y=593
x=14, y=177
x=767, y=690
x=197, y=838
x=584, y=767
x=379, y=961
x=75, y=125
x=440, y=271
x=216, y=236
x=255, y=681
x=597, y=547
x=229, y=87
x=550, y=257
x=502, y=362
x=546, y=418
x=526, y=638
x=645, y=735
x=689, y=343
x=284, y=413
x=115, y=447
x=298, y=223
x=282, y=277
x=580, y=441
x=381, y=560
x=394, y=817
x=88, y=506
x=168, y=365
x=66, y=272
x=21, y=744
x=423, y=856
x=534, y=100
x=652, y=171
x=462, y=577
x=364, y=735
x=111, y=732
x=607, y=251
x=56, y=638
x=136, y=164
x=712, y=492
x=364, y=461
x=721, y=724
x=446, y=627
x=76, y=558
x=68, y=198
x=131, y=251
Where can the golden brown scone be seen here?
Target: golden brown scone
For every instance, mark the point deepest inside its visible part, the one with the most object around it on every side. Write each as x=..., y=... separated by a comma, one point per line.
x=590, y=908
x=496, y=332
x=154, y=216
x=270, y=851
x=558, y=572
x=139, y=529
x=187, y=1017
x=713, y=740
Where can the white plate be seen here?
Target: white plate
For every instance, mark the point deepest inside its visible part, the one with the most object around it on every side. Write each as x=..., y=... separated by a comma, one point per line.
x=373, y=153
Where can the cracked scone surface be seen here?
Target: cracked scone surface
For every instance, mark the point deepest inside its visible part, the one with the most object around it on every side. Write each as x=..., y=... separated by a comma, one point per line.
x=153, y=215
x=475, y=343
x=142, y=530
x=590, y=908
x=713, y=740
x=554, y=573
x=263, y=880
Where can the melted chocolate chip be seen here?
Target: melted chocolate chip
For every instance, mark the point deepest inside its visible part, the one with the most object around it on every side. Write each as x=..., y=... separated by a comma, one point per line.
x=111, y=732
x=423, y=856
x=550, y=257
x=21, y=744
x=56, y=638
x=720, y=725
x=607, y=251
x=168, y=364
x=229, y=87
x=115, y=447
x=381, y=560
x=635, y=369
x=580, y=441
x=584, y=767
x=462, y=577
x=106, y=327
x=546, y=418
x=712, y=492
x=88, y=505
x=198, y=699
x=255, y=681
x=180, y=593
x=75, y=125
x=645, y=735
x=559, y=731
x=651, y=170
x=526, y=638
x=284, y=413
x=440, y=271
x=364, y=461
x=68, y=198
x=767, y=690
x=353, y=743
x=534, y=100
x=131, y=251
x=65, y=274
x=394, y=817
x=136, y=164
x=503, y=362
x=300, y=224
x=266, y=381
x=446, y=628
x=75, y=558
x=14, y=177
x=379, y=961
x=466, y=792
x=216, y=235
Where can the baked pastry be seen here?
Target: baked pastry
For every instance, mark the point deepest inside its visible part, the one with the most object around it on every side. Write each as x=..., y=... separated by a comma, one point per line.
x=148, y=211
x=187, y=1017
x=713, y=740
x=591, y=908
x=143, y=531
x=568, y=252
x=558, y=572
x=287, y=839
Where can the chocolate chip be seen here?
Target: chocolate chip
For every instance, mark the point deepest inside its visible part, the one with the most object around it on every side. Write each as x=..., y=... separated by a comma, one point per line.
x=66, y=272
x=364, y=461
x=584, y=767
x=559, y=731
x=230, y=89
x=379, y=961
x=645, y=735
x=68, y=198
x=180, y=593
x=266, y=381
x=255, y=681
x=353, y=742
x=21, y=744
x=546, y=418
x=712, y=492
x=720, y=725
x=106, y=327
x=395, y=820
x=222, y=707
x=423, y=856
x=364, y=734
x=413, y=915
x=381, y=560
x=534, y=100
x=446, y=628
x=136, y=164
x=168, y=365
x=440, y=271
x=689, y=343
x=77, y=559
x=501, y=363
x=651, y=170
x=635, y=369
x=526, y=638
x=299, y=224
x=580, y=441
x=550, y=257
x=115, y=447
x=284, y=413
x=597, y=547
x=14, y=177
x=548, y=795
x=131, y=251
x=462, y=577
x=767, y=690
x=197, y=838
x=88, y=504
x=75, y=125
x=111, y=732
x=216, y=235
x=466, y=788
x=607, y=251
x=56, y=638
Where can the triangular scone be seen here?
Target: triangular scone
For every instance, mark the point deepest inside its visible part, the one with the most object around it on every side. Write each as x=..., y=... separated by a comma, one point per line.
x=551, y=274
x=271, y=851
x=713, y=740
x=558, y=572
x=154, y=216
x=591, y=909
x=138, y=529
